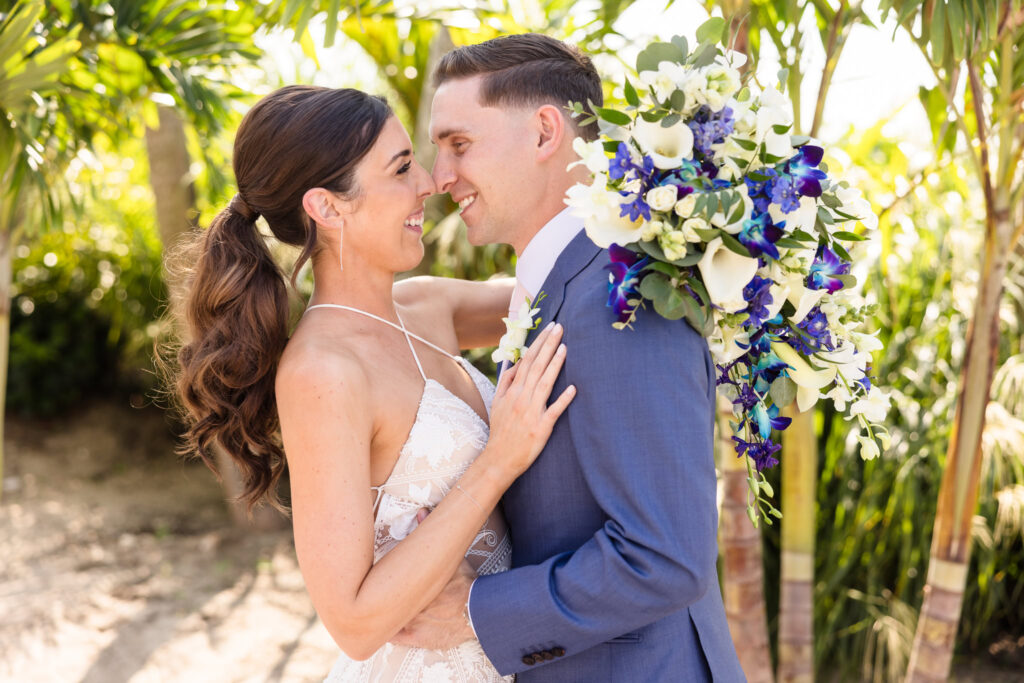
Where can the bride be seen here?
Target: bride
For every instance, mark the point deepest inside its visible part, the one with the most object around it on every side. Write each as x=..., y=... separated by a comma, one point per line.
x=379, y=416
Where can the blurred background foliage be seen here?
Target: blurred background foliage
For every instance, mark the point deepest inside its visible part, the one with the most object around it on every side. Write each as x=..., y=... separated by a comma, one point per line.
x=88, y=293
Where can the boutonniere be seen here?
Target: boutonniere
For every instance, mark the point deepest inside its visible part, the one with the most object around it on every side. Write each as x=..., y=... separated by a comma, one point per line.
x=513, y=342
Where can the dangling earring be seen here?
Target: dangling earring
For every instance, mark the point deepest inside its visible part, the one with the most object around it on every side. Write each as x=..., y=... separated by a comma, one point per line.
x=341, y=261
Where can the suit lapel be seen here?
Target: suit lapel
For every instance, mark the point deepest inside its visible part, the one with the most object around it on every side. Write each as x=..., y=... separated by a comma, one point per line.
x=573, y=259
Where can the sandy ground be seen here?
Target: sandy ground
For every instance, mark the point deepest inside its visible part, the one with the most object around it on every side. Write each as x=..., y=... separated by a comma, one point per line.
x=118, y=562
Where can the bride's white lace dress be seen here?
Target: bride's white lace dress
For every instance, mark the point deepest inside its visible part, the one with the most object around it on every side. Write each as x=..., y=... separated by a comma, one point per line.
x=446, y=436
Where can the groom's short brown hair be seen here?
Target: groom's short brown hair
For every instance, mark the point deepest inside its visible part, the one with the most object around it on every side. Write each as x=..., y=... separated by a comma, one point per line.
x=526, y=69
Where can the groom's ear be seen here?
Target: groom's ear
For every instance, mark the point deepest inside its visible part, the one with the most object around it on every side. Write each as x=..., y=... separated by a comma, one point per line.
x=324, y=207
x=550, y=130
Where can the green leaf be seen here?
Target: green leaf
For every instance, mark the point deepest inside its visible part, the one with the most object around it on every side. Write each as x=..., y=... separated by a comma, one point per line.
x=826, y=216
x=790, y=243
x=783, y=391
x=707, y=234
x=849, y=281
x=698, y=287
x=611, y=146
x=661, y=267
x=614, y=116
x=848, y=236
x=781, y=129
x=680, y=42
x=748, y=145
x=711, y=31
x=653, y=116
x=677, y=100
x=668, y=301
x=631, y=97
x=670, y=120
x=841, y=251
x=705, y=56
x=656, y=53
x=734, y=245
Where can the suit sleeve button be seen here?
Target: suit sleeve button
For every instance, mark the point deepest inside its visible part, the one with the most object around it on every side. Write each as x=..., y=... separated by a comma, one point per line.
x=528, y=660
x=548, y=655
x=558, y=651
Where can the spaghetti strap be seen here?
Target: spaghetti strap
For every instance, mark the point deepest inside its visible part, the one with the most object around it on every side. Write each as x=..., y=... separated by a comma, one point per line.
x=408, y=340
x=400, y=326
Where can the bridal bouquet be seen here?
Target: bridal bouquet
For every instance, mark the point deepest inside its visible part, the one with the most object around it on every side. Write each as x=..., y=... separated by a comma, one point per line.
x=712, y=211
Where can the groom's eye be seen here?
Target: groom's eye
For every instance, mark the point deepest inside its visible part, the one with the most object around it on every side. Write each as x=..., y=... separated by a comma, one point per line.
x=459, y=146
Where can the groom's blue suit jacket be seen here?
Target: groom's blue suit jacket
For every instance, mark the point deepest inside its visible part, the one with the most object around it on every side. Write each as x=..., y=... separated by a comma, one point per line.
x=614, y=526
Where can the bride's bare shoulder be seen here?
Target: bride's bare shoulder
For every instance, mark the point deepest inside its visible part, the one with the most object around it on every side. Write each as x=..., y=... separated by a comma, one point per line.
x=316, y=358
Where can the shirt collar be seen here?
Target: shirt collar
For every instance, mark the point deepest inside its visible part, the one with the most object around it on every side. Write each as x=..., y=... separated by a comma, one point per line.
x=540, y=254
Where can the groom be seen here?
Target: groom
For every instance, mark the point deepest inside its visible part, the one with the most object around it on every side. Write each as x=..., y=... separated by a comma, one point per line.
x=614, y=526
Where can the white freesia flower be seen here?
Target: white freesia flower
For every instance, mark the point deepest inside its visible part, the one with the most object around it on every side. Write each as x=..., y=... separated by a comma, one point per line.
x=868, y=448
x=662, y=198
x=592, y=155
x=599, y=208
x=667, y=147
x=693, y=86
x=855, y=205
x=652, y=229
x=517, y=328
x=665, y=80
x=874, y=407
x=685, y=206
x=809, y=381
x=673, y=243
x=725, y=273
x=744, y=118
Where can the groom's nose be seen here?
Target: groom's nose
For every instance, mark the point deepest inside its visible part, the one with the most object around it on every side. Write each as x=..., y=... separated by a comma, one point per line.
x=443, y=173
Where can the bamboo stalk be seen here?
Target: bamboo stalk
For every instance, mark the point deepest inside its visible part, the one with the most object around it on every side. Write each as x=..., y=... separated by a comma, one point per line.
x=5, y=334
x=932, y=653
x=799, y=463
x=742, y=565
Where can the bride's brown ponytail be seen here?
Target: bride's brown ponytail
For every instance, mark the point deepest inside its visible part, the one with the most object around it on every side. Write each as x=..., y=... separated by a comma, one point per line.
x=236, y=305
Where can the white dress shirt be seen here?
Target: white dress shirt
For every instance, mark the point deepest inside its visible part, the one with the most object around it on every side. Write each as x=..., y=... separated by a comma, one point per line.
x=538, y=258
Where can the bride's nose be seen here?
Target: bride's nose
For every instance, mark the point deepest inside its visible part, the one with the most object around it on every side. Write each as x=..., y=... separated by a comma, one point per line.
x=427, y=185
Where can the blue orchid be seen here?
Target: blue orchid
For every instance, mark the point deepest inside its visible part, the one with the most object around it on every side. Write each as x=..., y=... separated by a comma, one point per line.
x=768, y=419
x=759, y=236
x=827, y=265
x=761, y=452
x=626, y=270
x=815, y=325
x=803, y=167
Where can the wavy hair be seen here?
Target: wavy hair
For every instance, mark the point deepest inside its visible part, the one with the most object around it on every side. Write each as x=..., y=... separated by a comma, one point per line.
x=235, y=304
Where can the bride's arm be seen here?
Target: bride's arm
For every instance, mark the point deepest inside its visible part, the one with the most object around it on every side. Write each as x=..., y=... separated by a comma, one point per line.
x=476, y=307
x=327, y=426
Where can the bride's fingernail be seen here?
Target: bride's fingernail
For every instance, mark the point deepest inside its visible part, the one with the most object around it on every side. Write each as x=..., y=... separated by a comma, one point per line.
x=549, y=325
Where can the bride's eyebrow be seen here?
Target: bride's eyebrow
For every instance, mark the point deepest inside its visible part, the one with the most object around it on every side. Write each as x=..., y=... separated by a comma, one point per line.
x=399, y=155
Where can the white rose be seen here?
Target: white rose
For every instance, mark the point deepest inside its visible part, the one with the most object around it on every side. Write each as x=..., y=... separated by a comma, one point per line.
x=685, y=206
x=662, y=198
x=689, y=229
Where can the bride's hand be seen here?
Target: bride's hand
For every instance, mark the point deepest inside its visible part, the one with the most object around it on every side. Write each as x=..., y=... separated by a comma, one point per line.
x=521, y=419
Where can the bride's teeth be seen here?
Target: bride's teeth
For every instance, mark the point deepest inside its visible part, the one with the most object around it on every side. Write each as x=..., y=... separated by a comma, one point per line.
x=414, y=222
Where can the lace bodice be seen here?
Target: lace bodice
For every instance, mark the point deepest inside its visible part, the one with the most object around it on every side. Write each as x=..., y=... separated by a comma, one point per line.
x=446, y=436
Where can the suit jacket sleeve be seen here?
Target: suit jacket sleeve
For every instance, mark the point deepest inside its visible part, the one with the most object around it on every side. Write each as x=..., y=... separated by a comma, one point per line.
x=642, y=428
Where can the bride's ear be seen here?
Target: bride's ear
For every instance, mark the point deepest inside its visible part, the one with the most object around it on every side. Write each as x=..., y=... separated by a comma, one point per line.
x=324, y=207
x=550, y=130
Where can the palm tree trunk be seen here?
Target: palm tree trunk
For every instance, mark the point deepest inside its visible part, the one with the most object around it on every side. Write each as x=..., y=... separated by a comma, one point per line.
x=742, y=566
x=932, y=653
x=796, y=615
x=170, y=177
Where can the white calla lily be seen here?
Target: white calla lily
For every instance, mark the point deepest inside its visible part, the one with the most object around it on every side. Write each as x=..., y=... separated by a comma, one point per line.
x=801, y=219
x=803, y=299
x=725, y=273
x=599, y=208
x=667, y=147
x=809, y=381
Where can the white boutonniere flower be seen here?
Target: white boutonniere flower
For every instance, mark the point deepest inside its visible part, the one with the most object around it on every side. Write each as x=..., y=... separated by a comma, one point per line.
x=513, y=342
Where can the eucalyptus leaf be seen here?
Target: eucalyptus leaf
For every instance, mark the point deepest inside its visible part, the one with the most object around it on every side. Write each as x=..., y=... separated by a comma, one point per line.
x=826, y=216
x=656, y=53
x=783, y=391
x=711, y=31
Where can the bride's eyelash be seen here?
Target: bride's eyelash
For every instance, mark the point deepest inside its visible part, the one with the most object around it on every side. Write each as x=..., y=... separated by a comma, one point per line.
x=405, y=168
